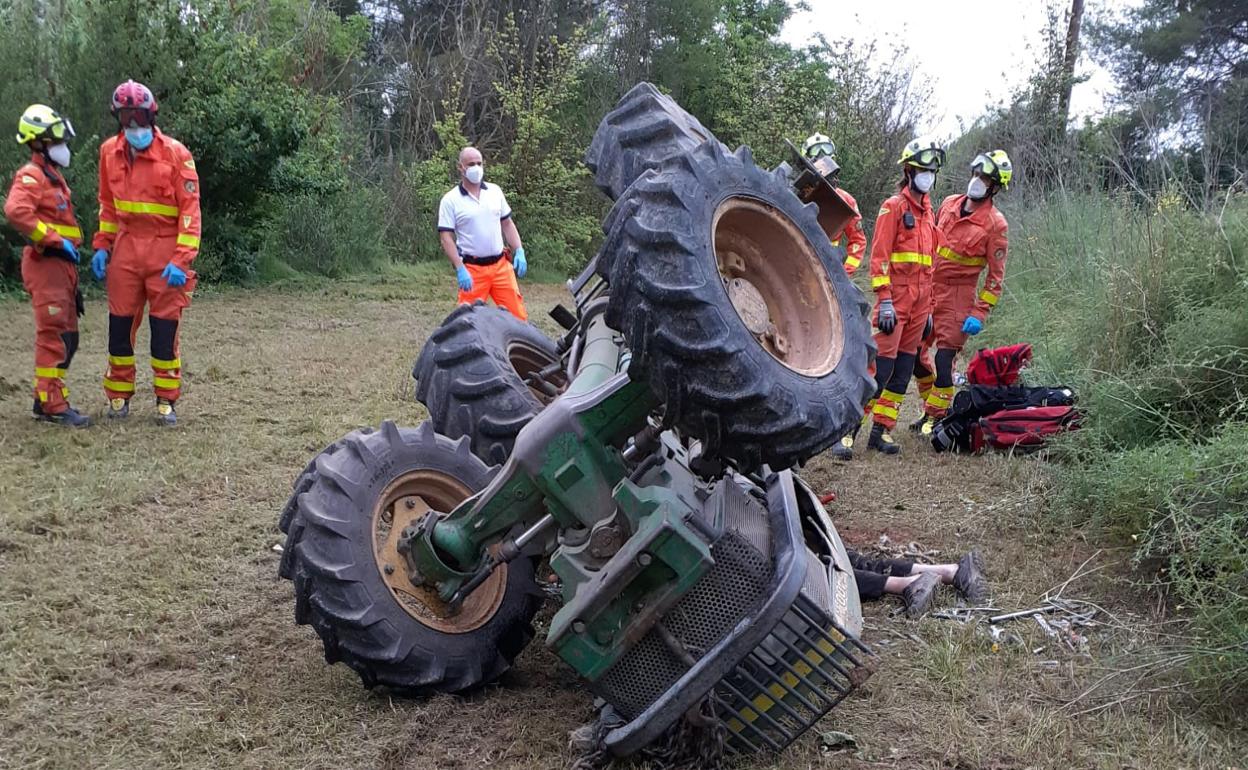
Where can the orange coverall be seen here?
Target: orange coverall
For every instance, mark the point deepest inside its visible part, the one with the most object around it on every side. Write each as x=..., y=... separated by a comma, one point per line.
x=497, y=282
x=971, y=242
x=149, y=216
x=901, y=270
x=39, y=207
x=855, y=238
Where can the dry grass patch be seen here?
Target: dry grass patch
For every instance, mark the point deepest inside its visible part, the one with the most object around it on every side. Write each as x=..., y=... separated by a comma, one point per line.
x=142, y=623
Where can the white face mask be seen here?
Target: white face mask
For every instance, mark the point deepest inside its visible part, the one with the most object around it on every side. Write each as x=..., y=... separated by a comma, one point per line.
x=977, y=189
x=924, y=180
x=59, y=154
x=474, y=174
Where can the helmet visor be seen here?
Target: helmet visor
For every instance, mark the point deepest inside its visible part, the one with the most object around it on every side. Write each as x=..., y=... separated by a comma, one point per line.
x=929, y=157
x=986, y=166
x=128, y=116
x=63, y=130
x=819, y=150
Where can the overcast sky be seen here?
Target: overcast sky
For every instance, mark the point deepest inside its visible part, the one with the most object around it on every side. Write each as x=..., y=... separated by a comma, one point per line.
x=976, y=53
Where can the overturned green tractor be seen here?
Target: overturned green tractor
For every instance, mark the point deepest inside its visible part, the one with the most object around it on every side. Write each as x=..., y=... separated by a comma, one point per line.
x=646, y=455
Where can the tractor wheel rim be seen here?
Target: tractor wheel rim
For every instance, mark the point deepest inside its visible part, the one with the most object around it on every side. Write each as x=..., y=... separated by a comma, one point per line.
x=528, y=362
x=404, y=502
x=778, y=285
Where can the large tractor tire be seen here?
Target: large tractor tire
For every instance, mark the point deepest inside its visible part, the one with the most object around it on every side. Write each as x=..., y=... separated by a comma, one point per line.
x=289, y=519
x=736, y=310
x=351, y=584
x=476, y=374
x=645, y=129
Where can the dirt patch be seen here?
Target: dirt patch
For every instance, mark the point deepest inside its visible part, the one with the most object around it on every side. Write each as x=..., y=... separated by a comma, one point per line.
x=142, y=623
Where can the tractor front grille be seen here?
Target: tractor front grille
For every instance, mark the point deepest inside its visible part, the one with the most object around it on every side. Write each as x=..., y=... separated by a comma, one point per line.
x=800, y=672
x=731, y=590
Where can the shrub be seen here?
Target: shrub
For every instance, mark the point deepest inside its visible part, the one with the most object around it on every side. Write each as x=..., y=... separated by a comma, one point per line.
x=1140, y=308
x=331, y=235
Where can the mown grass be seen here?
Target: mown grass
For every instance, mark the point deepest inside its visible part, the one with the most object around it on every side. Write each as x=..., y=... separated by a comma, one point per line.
x=142, y=623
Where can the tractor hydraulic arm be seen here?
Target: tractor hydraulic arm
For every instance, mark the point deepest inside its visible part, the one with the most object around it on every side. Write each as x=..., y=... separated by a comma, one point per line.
x=564, y=469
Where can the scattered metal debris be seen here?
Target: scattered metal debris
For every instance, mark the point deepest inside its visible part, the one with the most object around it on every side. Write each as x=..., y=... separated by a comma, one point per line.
x=1059, y=619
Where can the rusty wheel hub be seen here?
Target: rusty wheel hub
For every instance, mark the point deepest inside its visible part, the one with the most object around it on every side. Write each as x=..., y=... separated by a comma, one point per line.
x=778, y=285
x=404, y=502
x=530, y=363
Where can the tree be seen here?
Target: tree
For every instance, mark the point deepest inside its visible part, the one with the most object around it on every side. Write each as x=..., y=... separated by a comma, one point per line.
x=1072, y=55
x=1184, y=68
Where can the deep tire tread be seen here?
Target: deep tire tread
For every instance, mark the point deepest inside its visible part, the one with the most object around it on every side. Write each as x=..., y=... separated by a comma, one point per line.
x=339, y=592
x=716, y=381
x=645, y=130
x=465, y=380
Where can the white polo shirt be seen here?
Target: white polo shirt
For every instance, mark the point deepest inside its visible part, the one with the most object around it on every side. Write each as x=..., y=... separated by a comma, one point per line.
x=476, y=222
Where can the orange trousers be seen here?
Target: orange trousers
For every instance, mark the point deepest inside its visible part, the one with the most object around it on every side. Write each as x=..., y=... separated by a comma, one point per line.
x=52, y=284
x=952, y=303
x=913, y=304
x=496, y=282
x=133, y=281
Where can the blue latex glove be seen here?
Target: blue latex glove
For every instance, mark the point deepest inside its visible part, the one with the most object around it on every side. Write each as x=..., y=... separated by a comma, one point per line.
x=173, y=275
x=99, y=263
x=519, y=263
x=972, y=325
x=465, y=280
x=69, y=248
x=886, y=321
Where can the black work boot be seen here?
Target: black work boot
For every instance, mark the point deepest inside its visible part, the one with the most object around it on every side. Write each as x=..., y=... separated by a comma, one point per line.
x=881, y=441
x=70, y=418
x=844, y=449
x=118, y=408
x=919, y=594
x=165, y=415
x=970, y=580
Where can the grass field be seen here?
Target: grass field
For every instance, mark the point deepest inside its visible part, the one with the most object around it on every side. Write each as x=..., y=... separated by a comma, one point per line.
x=142, y=623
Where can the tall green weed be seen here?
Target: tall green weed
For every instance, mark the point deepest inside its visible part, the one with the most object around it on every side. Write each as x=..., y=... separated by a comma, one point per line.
x=1141, y=309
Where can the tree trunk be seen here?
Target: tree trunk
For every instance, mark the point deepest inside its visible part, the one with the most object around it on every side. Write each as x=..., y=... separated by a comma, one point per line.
x=1068, y=63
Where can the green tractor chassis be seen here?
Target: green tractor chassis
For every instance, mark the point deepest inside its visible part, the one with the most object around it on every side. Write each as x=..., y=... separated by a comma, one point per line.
x=715, y=340
x=669, y=596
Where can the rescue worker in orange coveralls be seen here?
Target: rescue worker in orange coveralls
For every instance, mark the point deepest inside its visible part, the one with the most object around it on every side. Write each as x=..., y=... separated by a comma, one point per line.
x=148, y=238
x=975, y=236
x=819, y=146
x=40, y=208
x=902, y=248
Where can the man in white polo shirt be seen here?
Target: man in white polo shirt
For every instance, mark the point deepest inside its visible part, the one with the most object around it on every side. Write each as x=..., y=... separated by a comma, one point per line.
x=473, y=220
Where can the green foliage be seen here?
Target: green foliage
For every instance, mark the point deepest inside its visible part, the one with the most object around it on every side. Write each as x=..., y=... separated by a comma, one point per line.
x=230, y=81
x=1185, y=506
x=1183, y=70
x=1140, y=309
x=333, y=234
x=542, y=175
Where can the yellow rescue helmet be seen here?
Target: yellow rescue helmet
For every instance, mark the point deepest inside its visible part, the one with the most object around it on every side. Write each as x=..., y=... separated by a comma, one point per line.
x=923, y=152
x=995, y=165
x=40, y=121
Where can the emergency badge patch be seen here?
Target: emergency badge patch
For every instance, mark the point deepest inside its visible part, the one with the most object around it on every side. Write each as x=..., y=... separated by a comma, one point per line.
x=189, y=186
